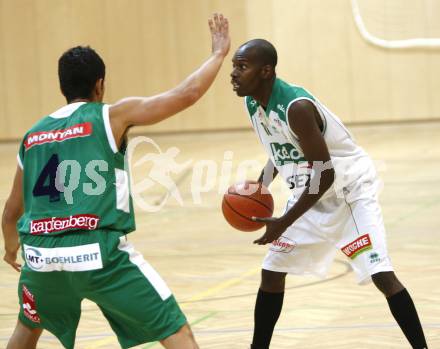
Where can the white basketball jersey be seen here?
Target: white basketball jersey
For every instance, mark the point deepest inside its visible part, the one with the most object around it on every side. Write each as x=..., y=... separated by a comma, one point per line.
x=351, y=163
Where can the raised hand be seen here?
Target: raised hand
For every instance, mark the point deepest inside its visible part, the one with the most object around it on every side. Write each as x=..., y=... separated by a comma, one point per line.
x=221, y=42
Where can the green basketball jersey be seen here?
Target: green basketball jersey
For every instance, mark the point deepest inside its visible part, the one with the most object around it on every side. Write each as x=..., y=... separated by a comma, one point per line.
x=73, y=174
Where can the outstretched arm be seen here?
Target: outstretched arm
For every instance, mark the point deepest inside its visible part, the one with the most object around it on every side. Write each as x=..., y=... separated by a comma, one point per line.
x=133, y=111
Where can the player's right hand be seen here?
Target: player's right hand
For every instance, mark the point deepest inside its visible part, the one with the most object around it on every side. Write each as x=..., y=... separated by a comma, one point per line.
x=11, y=258
x=221, y=42
x=275, y=227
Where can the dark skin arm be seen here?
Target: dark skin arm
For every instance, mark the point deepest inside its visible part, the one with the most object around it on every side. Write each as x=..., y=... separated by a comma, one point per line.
x=268, y=173
x=305, y=123
x=266, y=177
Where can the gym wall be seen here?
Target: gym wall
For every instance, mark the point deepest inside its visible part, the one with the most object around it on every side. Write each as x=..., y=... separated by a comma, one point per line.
x=150, y=45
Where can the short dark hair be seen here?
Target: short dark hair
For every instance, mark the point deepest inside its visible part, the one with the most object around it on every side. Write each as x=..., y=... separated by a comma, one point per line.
x=263, y=51
x=78, y=70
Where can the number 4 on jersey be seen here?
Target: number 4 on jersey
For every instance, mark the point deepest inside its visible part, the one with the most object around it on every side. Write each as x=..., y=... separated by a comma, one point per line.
x=49, y=174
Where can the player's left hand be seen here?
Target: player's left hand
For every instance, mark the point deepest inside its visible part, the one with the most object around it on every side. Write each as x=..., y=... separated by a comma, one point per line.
x=11, y=258
x=275, y=227
x=221, y=41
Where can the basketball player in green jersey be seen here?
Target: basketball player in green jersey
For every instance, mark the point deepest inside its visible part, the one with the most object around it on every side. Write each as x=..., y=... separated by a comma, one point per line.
x=72, y=228
x=333, y=204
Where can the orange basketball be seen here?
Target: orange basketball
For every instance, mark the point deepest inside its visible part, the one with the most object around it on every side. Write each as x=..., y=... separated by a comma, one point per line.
x=244, y=201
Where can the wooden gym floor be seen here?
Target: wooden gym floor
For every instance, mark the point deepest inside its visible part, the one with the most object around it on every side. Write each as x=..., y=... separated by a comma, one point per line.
x=213, y=270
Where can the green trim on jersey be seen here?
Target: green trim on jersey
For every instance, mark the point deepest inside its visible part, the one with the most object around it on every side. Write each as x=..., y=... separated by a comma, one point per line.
x=281, y=97
x=59, y=153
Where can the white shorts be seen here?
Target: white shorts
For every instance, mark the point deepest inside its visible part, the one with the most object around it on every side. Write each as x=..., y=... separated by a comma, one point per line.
x=352, y=224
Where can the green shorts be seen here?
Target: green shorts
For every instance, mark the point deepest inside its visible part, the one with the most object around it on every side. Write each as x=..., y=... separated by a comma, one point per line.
x=60, y=271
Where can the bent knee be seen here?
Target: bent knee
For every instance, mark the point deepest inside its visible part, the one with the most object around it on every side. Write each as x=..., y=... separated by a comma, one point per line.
x=387, y=283
x=272, y=281
x=185, y=330
x=182, y=339
x=24, y=337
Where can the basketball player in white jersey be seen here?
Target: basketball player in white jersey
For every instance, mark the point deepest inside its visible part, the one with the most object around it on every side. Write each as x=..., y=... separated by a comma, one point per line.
x=333, y=205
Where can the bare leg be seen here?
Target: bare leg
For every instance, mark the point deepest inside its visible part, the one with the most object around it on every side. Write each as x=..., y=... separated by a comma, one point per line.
x=182, y=339
x=387, y=283
x=272, y=281
x=24, y=337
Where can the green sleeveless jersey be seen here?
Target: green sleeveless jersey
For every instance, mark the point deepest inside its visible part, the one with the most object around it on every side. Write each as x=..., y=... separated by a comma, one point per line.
x=74, y=178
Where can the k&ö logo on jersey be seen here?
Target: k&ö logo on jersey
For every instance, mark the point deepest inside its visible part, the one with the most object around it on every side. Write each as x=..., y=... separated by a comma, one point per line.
x=29, y=308
x=80, y=130
x=283, y=245
x=356, y=247
x=285, y=154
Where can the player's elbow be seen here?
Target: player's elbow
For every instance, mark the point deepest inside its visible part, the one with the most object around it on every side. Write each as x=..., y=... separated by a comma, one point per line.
x=11, y=213
x=191, y=95
x=188, y=94
x=331, y=174
x=328, y=176
x=321, y=184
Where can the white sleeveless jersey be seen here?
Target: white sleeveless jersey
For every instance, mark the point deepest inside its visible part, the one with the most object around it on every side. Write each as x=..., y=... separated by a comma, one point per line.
x=351, y=163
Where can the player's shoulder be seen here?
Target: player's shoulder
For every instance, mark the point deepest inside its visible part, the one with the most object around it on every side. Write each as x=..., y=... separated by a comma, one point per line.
x=292, y=91
x=34, y=131
x=40, y=124
x=64, y=116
